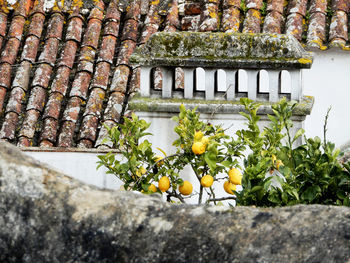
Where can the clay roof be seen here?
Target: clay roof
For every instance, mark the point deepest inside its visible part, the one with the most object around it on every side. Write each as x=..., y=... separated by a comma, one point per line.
x=64, y=68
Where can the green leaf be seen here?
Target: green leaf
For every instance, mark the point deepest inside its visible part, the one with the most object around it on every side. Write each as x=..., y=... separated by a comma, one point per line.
x=311, y=193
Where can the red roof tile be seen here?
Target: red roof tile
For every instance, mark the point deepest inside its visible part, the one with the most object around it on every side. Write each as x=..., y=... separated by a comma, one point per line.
x=101, y=76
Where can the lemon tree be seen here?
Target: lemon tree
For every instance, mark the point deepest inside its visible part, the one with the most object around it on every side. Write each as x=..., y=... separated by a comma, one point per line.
x=275, y=173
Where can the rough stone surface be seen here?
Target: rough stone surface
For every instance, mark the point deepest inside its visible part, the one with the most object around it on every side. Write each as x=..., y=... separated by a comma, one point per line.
x=227, y=50
x=49, y=217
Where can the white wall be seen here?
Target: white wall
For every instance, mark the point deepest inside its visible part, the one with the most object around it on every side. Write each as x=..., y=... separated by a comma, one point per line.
x=328, y=81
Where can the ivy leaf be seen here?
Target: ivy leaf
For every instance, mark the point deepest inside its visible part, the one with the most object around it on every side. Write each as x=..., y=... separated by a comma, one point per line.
x=311, y=193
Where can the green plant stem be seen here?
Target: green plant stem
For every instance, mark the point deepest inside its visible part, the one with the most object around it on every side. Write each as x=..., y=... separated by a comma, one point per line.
x=200, y=195
x=325, y=128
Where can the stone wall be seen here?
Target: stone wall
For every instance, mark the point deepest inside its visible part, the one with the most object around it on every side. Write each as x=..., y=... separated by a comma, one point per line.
x=46, y=216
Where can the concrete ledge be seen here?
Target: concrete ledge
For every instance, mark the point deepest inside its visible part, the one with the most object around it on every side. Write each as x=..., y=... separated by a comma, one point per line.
x=218, y=106
x=222, y=50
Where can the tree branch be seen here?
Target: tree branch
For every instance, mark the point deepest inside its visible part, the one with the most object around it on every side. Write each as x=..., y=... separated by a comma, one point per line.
x=221, y=199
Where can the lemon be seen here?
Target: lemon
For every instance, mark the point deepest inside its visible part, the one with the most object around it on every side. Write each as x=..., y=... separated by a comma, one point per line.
x=229, y=187
x=152, y=188
x=207, y=180
x=235, y=176
x=198, y=148
x=186, y=188
x=164, y=184
x=198, y=136
x=205, y=140
x=142, y=170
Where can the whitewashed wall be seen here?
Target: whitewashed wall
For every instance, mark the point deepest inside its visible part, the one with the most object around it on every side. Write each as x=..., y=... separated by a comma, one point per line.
x=328, y=81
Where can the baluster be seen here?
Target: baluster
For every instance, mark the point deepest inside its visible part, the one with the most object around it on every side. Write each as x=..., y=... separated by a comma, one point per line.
x=145, y=81
x=209, y=84
x=189, y=84
x=274, y=83
x=252, y=84
x=230, y=84
x=296, y=86
x=167, y=82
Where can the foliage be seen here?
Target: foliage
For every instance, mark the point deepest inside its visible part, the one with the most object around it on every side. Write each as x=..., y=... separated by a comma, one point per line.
x=276, y=172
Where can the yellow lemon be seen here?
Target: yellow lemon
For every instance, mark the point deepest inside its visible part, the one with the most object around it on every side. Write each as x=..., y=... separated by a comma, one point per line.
x=198, y=148
x=198, y=136
x=186, y=188
x=205, y=140
x=164, y=184
x=142, y=170
x=235, y=176
x=207, y=180
x=229, y=187
x=152, y=188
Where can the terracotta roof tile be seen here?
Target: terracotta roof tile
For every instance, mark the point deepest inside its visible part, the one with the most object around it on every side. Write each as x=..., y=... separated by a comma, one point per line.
x=190, y=23
x=107, y=49
x=255, y=4
x=130, y=31
x=193, y=8
x=84, y=143
x=72, y=110
x=30, y=48
x=23, y=8
x=148, y=31
x=342, y=5
x=133, y=10
x=24, y=142
x=275, y=5
x=101, y=75
x=135, y=81
x=15, y=102
x=22, y=75
x=75, y=29
x=297, y=6
x=80, y=85
x=317, y=30
x=95, y=103
x=120, y=79
x=96, y=13
x=252, y=21
x=114, y=106
x=55, y=27
x=318, y=6
x=60, y=82
x=16, y=27
x=5, y=75
x=49, y=53
x=37, y=99
x=231, y=19
x=38, y=7
x=9, y=126
x=113, y=12
x=126, y=49
x=157, y=79
x=294, y=25
x=2, y=97
x=153, y=17
x=28, y=127
x=65, y=138
x=49, y=132
x=179, y=79
x=172, y=19
x=209, y=18
x=273, y=23
x=92, y=34
x=67, y=56
x=3, y=24
x=111, y=28
x=53, y=106
x=9, y=54
x=338, y=28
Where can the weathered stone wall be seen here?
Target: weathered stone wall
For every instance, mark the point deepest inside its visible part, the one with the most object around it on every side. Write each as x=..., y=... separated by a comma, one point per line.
x=48, y=217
